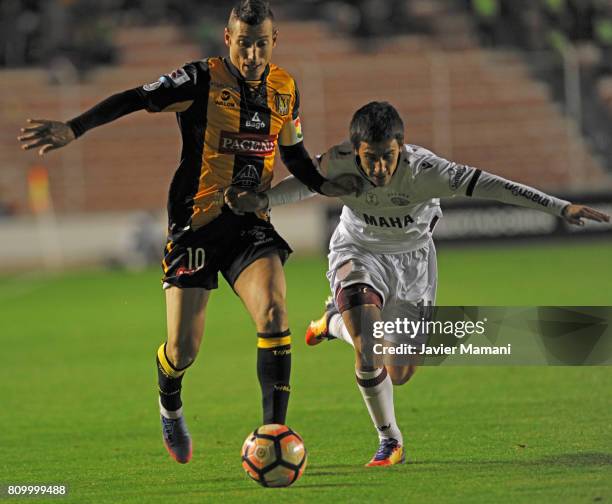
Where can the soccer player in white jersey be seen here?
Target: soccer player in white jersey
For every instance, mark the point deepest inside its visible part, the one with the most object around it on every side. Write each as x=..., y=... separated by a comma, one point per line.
x=382, y=260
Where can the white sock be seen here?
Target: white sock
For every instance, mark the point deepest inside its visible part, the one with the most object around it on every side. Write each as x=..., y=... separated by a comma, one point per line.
x=378, y=396
x=172, y=415
x=339, y=330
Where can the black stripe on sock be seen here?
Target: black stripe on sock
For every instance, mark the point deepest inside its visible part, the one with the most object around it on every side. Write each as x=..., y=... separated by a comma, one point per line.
x=287, y=332
x=372, y=382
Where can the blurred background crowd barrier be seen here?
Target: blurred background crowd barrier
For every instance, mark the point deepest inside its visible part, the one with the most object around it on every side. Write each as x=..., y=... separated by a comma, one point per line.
x=521, y=88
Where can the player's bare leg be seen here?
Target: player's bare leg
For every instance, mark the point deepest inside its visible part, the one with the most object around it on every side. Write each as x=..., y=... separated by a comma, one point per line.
x=331, y=326
x=401, y=374
x=374, y=383
x=262, y=288
x=185, y=312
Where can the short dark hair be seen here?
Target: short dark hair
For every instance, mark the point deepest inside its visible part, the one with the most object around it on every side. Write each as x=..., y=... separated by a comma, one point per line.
x=251, y=12
x=376, y=122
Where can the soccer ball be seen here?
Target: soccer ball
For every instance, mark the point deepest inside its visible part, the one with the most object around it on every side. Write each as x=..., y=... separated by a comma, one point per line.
x=274, y=456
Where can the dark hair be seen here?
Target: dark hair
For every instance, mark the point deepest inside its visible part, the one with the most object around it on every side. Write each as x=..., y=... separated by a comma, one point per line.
x=376, y=122
x=251, y=12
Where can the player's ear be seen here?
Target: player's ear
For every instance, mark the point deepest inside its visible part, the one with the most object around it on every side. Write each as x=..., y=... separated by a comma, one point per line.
x=274, y=37
x=227, y=36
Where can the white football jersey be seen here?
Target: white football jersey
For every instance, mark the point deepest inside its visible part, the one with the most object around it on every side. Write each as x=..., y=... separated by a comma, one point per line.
x=401, y=216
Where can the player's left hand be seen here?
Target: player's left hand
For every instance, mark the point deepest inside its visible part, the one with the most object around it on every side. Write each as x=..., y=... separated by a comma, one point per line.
x=573, y=214
x=342, y=185
x=243, y=200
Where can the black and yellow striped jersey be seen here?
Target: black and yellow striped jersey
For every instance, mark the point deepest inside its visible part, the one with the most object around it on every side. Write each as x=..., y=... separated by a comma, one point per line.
x=230, y=129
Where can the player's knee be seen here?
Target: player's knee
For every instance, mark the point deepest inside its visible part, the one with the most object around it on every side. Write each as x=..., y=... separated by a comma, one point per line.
x=358, y=295
x=401, y=374
x=272, y=317
x=181, y=356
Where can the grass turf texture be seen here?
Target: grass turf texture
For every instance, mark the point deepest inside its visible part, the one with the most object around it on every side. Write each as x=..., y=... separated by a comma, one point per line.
x=79, y=395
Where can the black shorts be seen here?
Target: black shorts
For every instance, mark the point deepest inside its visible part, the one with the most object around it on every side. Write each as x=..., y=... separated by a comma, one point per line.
x=228, y=244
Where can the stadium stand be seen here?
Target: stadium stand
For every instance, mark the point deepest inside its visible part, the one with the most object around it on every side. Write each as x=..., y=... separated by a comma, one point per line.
x=479, y=106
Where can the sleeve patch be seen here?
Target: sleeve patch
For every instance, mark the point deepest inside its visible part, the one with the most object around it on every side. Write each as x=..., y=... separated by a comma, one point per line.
x=152, y=86
x=178, y=77
x=297, y=124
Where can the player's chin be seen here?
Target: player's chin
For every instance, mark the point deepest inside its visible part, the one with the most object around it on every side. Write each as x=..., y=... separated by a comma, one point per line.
x=252, y=73
x=379, y=182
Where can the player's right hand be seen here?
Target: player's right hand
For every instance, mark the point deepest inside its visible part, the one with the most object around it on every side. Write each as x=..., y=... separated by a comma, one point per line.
x=47, y=135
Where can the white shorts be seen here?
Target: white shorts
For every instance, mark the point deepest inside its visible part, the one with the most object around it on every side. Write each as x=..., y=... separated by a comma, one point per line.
x=405, y=281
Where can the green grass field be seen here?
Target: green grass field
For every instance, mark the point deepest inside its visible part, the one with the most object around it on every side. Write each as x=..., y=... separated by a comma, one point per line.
x=79, y=403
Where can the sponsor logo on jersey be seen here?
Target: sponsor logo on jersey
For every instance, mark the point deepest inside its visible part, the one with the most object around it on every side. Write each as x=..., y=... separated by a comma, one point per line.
x=255, y=122
x=249, y=144
x=516, y=190
x=152, y=86
x=248, y=177
x=225, y=99
x=281, y=103
x=259, y=234
x=390, y=222
x=455, y=175
x=371, y=198
x=399, y=199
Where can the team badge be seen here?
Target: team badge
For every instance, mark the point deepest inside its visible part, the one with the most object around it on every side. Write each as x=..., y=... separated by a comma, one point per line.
x=371, y=198
x=281, y=103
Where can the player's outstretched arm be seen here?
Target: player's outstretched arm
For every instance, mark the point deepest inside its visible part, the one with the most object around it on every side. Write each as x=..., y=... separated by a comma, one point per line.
x=288, y=190
x=298, y=162
x=442, y=178
x=173, y=92
x=50, y=135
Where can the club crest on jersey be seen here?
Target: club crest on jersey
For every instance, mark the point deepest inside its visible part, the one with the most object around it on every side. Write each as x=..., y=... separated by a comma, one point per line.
x=247, y=177
x=255, y=122
x=281, y=103
x=249, y=144
x=371, y=198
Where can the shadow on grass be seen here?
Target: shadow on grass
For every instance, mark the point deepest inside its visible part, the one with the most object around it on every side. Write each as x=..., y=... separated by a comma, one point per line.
x=588, y=459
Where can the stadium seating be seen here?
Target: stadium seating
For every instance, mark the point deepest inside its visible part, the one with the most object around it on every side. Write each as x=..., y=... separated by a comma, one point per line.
x=473, y=105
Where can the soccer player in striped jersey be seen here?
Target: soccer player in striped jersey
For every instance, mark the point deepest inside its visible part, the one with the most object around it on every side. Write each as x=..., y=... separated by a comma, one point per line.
x=232, y=113
x=382, y=260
